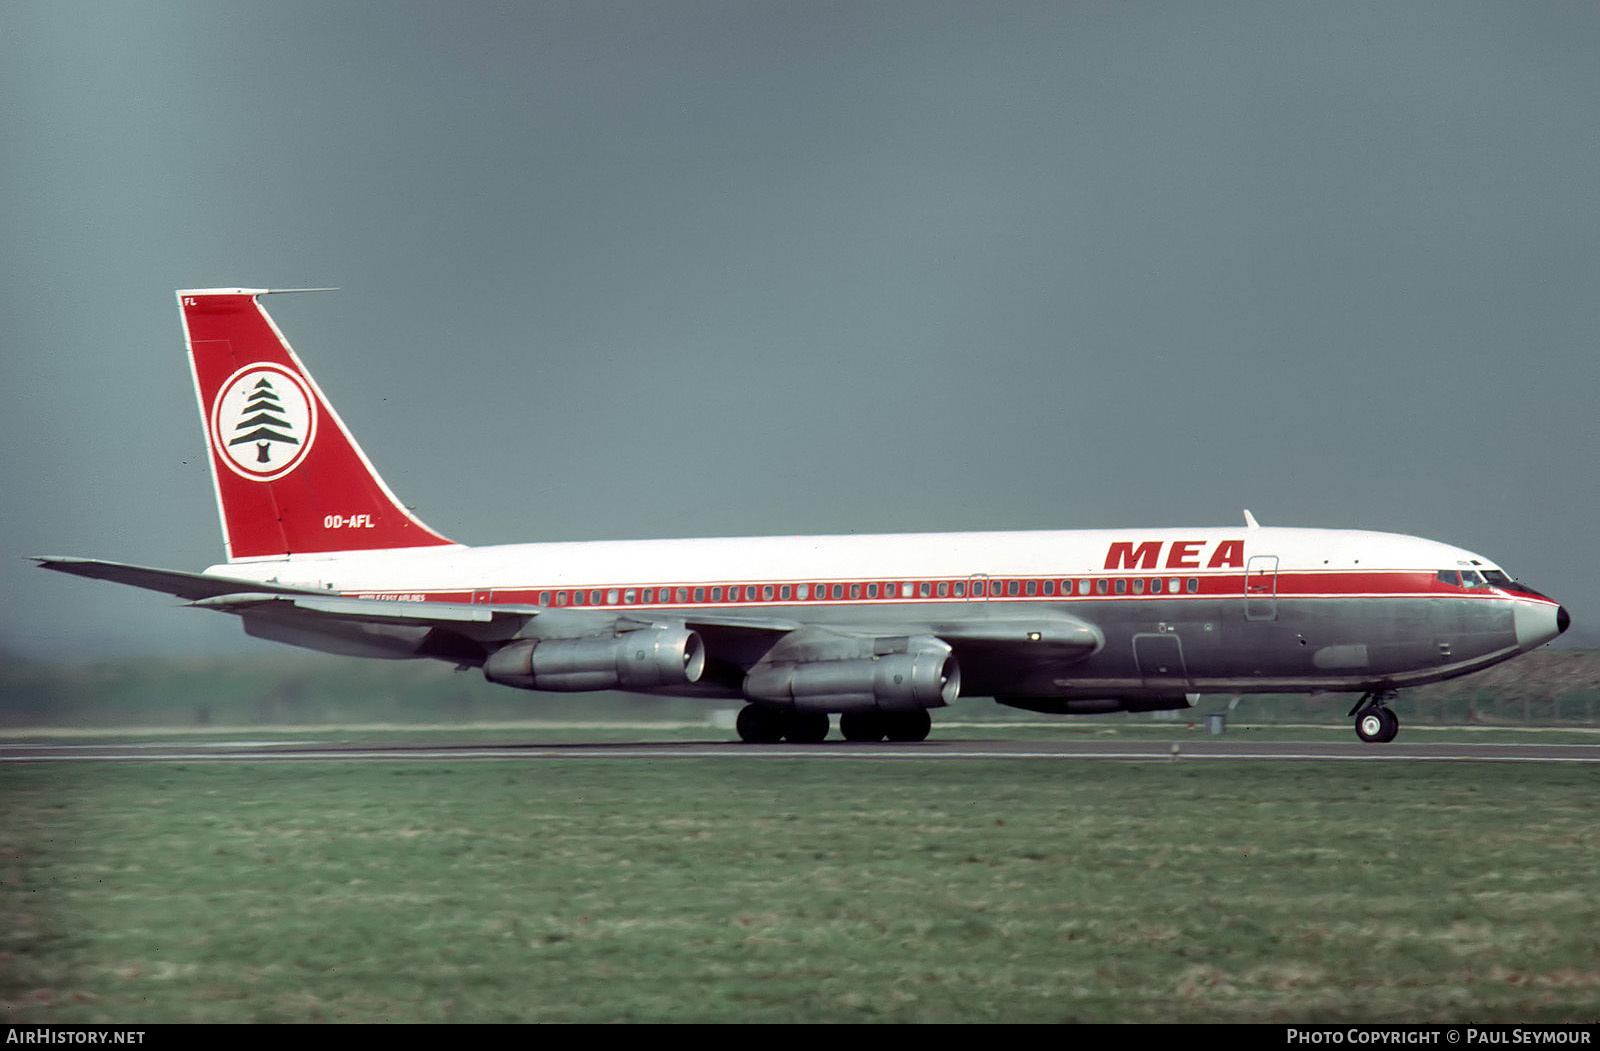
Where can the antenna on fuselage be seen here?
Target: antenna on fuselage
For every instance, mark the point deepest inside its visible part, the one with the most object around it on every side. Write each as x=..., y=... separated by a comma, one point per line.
x=1250, y=520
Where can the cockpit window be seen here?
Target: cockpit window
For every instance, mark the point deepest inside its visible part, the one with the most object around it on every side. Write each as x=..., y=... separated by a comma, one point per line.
x=1450, y=576
x=1497, y=579
x=1471, y=579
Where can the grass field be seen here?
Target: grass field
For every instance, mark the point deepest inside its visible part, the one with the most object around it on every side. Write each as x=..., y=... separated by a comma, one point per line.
x=782, y=890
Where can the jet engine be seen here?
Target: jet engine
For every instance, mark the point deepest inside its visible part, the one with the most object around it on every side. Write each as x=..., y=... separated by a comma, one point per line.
x=924, y=675
x=637, y=660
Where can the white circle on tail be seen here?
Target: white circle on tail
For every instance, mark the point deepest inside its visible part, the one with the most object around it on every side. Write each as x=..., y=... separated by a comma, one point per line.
x=263, y=422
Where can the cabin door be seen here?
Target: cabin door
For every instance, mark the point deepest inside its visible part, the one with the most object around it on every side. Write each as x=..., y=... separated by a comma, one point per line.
x=1261, y=588
x=1160, y=660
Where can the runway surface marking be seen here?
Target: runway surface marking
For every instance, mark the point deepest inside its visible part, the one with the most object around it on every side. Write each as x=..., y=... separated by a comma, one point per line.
x=1209, y=751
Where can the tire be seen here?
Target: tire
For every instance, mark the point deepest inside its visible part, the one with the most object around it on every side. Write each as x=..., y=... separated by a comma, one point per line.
x=758, y=724
x=1377, y=725
x=805, y=727
x=908, y=726
x=861, y=726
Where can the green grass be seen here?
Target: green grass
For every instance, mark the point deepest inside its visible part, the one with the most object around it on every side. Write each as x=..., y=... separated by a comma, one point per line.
x=781, y=890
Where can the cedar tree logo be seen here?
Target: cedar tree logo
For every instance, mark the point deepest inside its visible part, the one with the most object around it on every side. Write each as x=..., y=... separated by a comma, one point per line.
x=263, y=422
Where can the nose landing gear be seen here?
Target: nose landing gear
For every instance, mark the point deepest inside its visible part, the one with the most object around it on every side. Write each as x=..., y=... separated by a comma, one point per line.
x=1375, y=722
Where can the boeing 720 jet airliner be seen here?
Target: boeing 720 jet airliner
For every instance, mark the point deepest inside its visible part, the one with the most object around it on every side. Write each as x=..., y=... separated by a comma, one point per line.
x=877, y=629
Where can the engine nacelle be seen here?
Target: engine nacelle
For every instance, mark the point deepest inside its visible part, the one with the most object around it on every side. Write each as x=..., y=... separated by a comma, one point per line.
x=1096, y=705
x=635, y=660
x=924, y=677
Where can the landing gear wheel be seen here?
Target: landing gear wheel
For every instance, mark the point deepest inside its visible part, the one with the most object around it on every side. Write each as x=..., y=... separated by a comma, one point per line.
x=805, y=727
x=1377, y=725
x=908, y=726
x=758, y=724
x=861, y=726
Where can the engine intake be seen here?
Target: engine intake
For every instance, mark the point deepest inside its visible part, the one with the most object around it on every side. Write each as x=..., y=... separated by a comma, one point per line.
x=634, y=660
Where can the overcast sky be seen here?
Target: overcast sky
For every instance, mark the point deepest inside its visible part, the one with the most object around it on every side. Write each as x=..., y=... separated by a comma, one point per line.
x=644, y=269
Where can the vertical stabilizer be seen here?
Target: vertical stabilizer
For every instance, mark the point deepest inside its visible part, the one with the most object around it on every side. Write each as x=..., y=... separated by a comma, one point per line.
x=290, y=479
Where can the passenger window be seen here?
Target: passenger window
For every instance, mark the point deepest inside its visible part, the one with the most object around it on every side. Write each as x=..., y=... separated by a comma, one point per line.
x=766, y=591
x=561, y=598
x=1101, y=586
x=855, y=590
x=1011, y=587
x=925, y=588
x=872, y=591
x=944, y=589
x=838, y=591
x=1174, y=584
x=1138, y=586
x=959, y=589
x=783, y=592
x=1083, y=587
x=1155, y=586
x=612, y=596
x=802, y=591
x=1032, y=588
x=1122, y=587
x=1194, y=585
x=1049, y=587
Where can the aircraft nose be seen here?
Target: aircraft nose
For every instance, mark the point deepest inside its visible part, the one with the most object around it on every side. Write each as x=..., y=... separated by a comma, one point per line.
x=1538, y=622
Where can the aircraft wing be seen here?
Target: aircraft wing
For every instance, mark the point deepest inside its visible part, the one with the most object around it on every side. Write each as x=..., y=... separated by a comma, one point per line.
x=466, y=631
x=745, y=640
x=457, y=616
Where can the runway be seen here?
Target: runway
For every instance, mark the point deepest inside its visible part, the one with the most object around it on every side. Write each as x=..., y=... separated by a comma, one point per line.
x=951, y=748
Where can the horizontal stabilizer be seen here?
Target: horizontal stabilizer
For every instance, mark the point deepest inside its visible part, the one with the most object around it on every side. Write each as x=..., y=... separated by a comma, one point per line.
x=167, y=581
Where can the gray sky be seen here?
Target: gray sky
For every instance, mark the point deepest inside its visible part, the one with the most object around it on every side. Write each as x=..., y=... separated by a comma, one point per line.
x=639, y=269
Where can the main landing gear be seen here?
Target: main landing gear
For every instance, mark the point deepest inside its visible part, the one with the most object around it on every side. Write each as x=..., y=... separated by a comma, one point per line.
x=1375, y=723
x=761, y=724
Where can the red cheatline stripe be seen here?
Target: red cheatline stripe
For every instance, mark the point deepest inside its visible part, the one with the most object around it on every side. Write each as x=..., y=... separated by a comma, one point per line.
x=879, y=591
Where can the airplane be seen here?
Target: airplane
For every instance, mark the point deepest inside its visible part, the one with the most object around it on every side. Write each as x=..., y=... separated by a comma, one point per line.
x=879, y=630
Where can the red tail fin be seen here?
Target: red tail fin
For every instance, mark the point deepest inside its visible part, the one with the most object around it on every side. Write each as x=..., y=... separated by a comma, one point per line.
x=290, y=480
